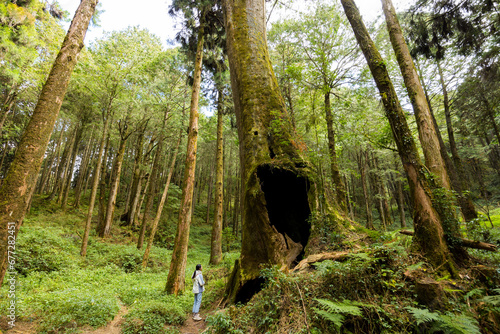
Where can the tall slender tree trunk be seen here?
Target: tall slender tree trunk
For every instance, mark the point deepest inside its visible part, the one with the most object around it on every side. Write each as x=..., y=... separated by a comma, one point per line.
x=210, y=191
x=61, y=168
x=426, y=130
x=340, y=191
x=429, y=233
x=458, y=180
x=135, y=191
x=115, y=183
x=400, y=199
x=17, y=186
x=367, y=200
x=69, y=174
x=95, y=183
x=84, y=166
x=163, y=200
x=151, y=192
x=176, y=274
x=46, y=182
x=216, y=241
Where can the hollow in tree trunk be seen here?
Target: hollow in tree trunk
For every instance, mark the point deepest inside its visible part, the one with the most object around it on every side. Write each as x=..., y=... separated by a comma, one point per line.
x=278, y=184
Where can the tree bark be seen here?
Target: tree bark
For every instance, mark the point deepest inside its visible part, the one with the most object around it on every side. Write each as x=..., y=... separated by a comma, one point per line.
x=426, y=130
x=340, y=191
x=458, y=182
x=176, y=274
x=278, y=184
x=429, y=231
x=216, y=241
x=21, y=178
x=361, y=159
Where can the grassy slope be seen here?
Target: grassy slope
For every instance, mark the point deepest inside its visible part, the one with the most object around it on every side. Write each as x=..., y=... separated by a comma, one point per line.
x=62, y=292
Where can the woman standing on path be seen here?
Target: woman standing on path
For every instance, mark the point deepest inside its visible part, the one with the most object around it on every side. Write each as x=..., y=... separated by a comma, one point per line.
x=198, y=284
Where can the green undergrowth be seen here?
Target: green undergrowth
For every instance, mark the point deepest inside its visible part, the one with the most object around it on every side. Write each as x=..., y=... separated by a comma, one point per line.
x=373, y=290
x=63, y=293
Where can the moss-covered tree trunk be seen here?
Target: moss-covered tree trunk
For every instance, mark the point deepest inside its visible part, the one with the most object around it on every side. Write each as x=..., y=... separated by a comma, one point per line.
x=216, y=241
x=340, y=191
x=426, y=130
x=361, y=160
x=23, y=172
x=278, y=185
x=429, y=233
x=177, y=271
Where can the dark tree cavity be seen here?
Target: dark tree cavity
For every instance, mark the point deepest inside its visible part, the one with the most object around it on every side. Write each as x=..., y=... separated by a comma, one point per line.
x=286, y=203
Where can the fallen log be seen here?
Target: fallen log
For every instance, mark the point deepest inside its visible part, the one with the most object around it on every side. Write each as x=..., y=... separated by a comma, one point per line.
x=465, y=242
x=304, y=264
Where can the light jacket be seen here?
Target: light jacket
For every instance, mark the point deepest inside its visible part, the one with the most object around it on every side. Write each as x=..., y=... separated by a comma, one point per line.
x=198, y=282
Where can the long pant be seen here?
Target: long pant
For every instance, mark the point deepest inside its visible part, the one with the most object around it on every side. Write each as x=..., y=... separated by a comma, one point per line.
x=197, y=302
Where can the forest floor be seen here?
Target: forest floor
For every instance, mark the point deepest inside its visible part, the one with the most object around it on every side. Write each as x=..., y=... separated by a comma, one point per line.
x=372, y=289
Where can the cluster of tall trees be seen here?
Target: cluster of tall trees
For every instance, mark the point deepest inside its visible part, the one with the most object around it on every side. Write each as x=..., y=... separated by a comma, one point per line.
x=332, y=123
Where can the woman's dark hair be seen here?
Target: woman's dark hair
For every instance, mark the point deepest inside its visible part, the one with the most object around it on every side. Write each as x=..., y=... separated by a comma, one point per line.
x=198, y=267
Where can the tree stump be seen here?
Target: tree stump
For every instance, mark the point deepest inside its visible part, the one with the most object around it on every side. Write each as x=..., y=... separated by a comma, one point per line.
x=430, y=293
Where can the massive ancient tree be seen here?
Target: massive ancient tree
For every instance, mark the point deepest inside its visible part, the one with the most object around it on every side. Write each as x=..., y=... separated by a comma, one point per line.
x=430, y=216
x=278, y=185
x=20, y=181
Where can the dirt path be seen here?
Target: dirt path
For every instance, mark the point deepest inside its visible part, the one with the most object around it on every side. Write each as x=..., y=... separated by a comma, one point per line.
x=22, y=328
x=193, y=327
x=114, y=327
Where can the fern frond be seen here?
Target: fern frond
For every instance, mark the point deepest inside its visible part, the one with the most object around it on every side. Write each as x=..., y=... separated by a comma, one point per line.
x=415, y=266
x=344, y=307
x=337, y=319
x=423, y=315
x=457, y=324
x=492, y=300
x=474, y=292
